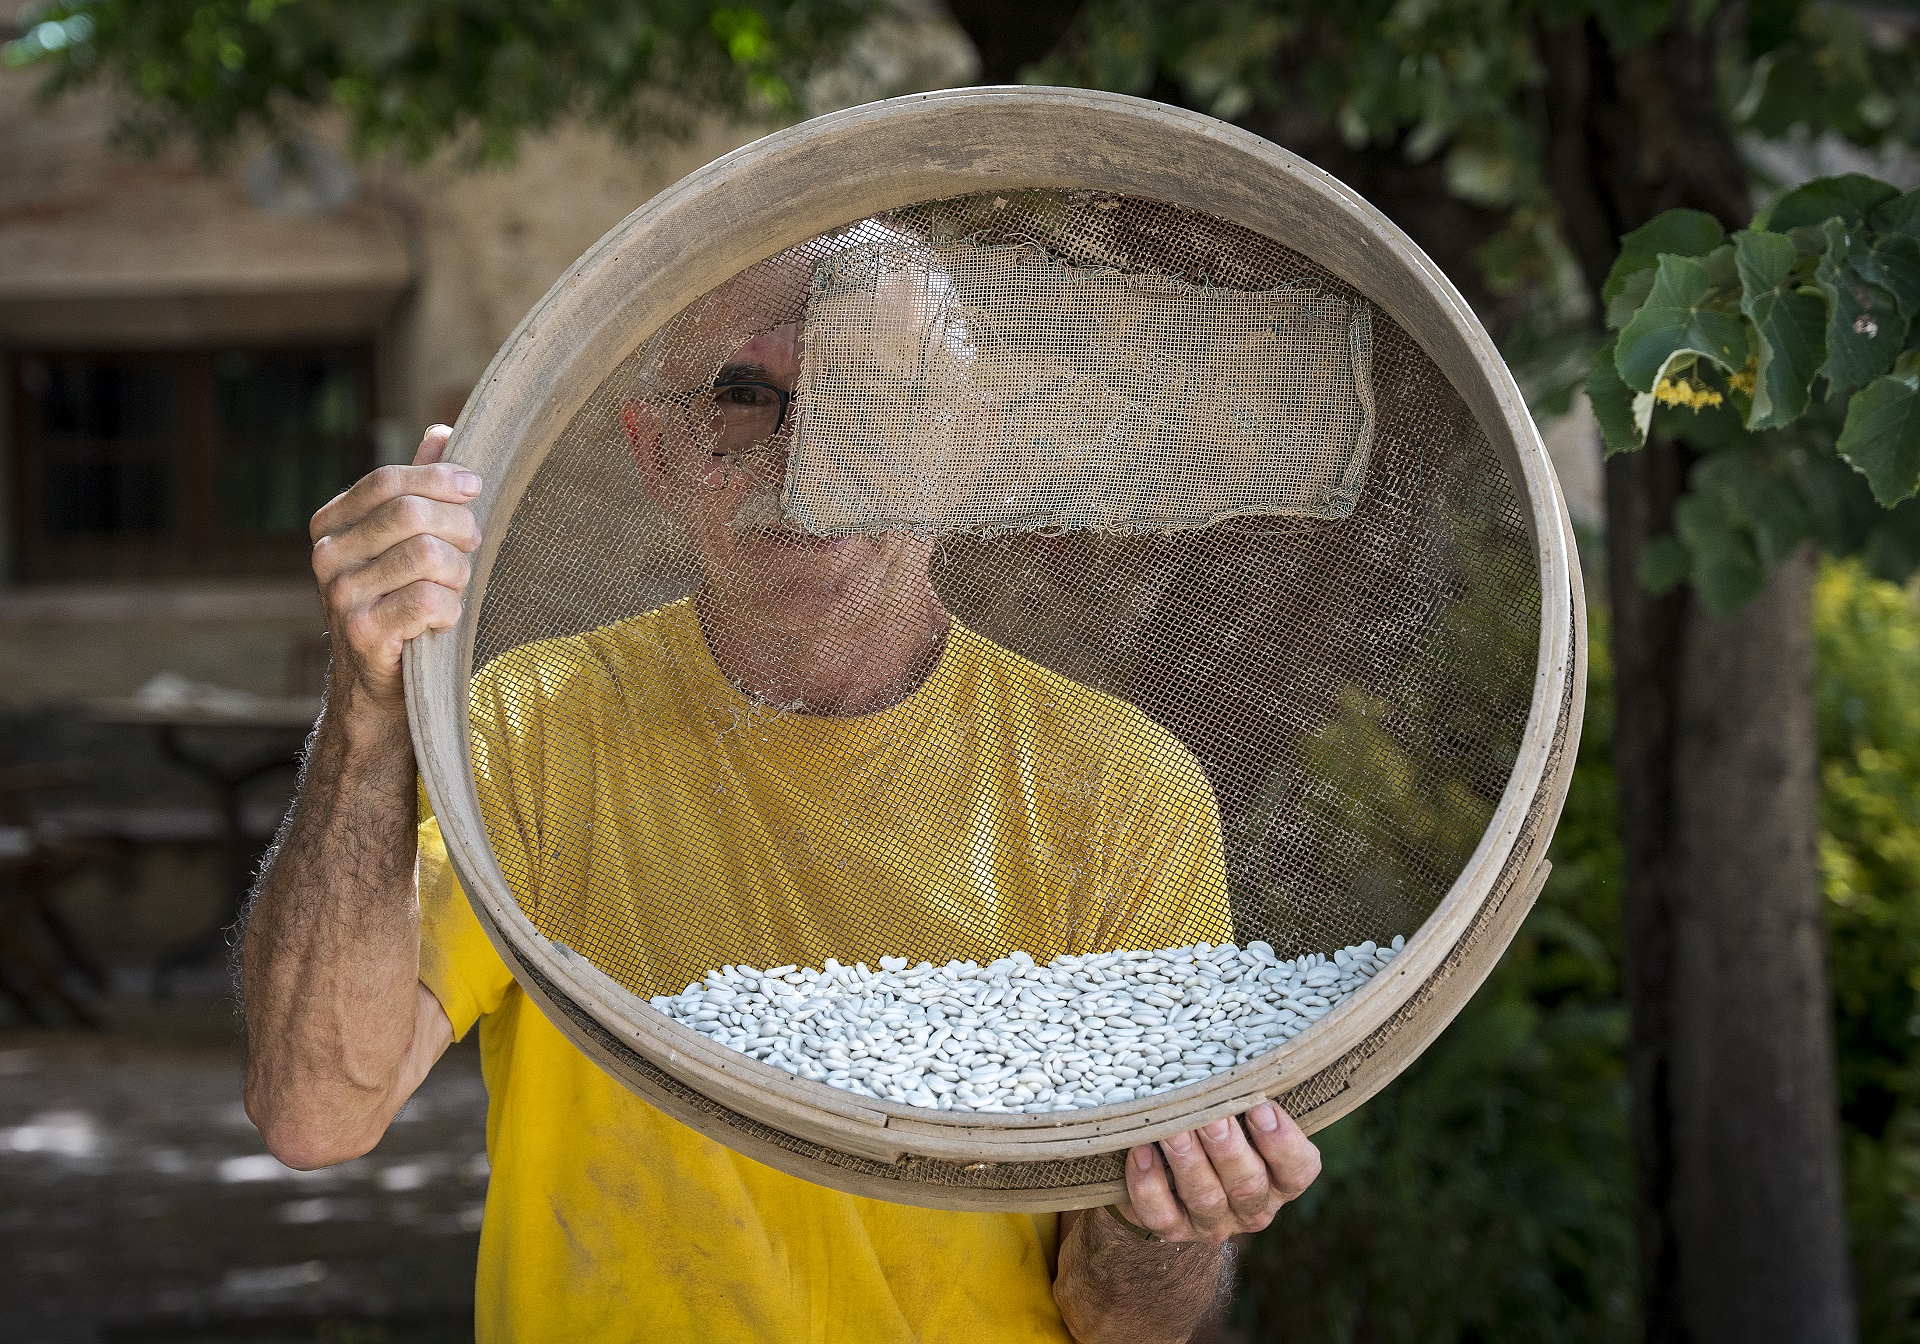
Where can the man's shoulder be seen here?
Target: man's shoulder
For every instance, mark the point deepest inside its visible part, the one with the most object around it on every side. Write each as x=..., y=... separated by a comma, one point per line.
x=1070, y=716
x=571, y=666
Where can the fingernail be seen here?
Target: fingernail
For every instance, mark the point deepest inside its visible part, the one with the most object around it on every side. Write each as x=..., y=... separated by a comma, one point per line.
x=1264, y=1117
x=1181, y=1142
x=1217, y=1131
x=467, y=482
x=1143, y=1158
x=439, y=429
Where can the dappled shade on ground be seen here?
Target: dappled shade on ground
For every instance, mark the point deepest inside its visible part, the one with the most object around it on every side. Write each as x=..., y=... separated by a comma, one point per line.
x=138, y=1203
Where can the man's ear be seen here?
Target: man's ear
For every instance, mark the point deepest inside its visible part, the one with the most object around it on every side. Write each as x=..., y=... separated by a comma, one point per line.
x=646, y=438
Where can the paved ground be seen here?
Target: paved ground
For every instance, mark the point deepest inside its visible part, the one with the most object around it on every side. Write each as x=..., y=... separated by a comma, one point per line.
x=138, y=1204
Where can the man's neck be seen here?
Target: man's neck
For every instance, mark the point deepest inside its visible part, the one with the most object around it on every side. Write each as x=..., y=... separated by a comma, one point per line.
x=868, y=652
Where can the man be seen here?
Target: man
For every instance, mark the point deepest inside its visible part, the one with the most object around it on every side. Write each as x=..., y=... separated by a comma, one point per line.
x=606, y=1220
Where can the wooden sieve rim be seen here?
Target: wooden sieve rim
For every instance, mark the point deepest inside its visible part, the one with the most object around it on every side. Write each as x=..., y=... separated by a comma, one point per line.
x=796, y=184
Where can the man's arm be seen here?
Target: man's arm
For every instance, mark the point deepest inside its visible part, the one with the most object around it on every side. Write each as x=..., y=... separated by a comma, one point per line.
x=1198, y=1194
x=340, y=1031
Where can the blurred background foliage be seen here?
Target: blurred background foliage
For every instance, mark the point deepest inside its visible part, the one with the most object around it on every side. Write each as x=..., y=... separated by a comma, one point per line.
x=1487, y=1194
x=418, y=76
x=1869, y=645
x=1383, y=793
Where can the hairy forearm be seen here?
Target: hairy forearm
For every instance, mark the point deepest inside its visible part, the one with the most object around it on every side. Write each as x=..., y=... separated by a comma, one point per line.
x=1113, y=1287
x=330, y=959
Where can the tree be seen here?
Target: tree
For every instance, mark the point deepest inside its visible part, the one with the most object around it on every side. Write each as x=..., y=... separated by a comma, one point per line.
x=1573, y=125
x=1518, y=141
x=1821, y=291
x=422, y=76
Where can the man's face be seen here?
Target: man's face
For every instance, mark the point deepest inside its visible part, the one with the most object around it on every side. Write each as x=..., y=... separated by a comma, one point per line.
x=713, y=457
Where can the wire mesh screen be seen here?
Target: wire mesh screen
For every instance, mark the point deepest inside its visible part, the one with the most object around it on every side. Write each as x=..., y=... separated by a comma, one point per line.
x=705, y=736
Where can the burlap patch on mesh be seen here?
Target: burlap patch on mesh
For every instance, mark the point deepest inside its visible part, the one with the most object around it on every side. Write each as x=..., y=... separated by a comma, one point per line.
x=986, y=389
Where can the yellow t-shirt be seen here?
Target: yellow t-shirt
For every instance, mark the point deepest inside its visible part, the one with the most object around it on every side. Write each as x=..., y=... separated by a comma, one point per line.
x=659, y=822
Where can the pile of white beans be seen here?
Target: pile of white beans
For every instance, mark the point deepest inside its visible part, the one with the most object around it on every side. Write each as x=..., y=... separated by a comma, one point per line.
x=1016, y=1036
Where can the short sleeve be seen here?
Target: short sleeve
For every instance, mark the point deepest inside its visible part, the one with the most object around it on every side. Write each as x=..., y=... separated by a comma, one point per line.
x=457, y=962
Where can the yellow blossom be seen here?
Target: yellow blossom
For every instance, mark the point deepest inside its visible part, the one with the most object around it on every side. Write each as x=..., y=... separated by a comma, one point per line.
x=1685, y=392
x=1744, y=380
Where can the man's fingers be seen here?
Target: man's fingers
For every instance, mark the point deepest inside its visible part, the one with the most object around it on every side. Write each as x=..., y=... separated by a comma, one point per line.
x=433, y=445
x=1291, y=1157
x=420, y=607
x=390, y=553
x=1242, y=1174
x=379, y=630
x=1198, y=1186
x=391, y=524
x=1151, y=1198
x=409, y=561
x=445, y=481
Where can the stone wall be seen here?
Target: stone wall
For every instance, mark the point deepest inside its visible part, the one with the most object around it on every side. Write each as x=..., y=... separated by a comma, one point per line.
x=435, y=266
x=97, y=249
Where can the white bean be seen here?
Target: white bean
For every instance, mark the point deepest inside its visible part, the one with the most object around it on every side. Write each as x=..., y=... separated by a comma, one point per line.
x=1017, y=1036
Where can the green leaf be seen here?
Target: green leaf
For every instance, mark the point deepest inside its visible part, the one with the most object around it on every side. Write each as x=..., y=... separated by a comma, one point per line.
x=1835, y=495
x=1727, y=569
x=1850, y=196
x=1643, y=414
x=1892, y=552
x=1632, y=293
x=1679, y=233
x=1664, y=565
x=1789, y=327
x=1770, y=24
x=1885, y=250
x=1632, y=23
x=1882, y=437
x=1722, y=271
x=1745, y=511
x=1839, y=501
x=1676, y=319
x=1893, y=263
x=1864, y=327
x=1759, y=487
x=1612, y=402
x=1900, y=215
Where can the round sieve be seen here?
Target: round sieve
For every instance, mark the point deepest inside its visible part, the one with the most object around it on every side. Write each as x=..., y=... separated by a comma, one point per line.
x=1258, y=622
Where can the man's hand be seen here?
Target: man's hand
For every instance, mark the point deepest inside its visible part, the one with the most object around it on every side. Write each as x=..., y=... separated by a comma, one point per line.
x=1152, y=1269
x=1214, y=1184
x=392, y=556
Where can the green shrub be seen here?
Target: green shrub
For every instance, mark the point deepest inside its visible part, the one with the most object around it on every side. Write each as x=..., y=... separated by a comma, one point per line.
x=1869, y=642
x=1487, y=1194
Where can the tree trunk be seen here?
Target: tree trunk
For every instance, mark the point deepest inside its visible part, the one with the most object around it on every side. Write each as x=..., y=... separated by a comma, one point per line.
x=1735, y=1113
x=1742, y=1233
x=1756, y=1195
x=1646, y=633
x=1012, y=34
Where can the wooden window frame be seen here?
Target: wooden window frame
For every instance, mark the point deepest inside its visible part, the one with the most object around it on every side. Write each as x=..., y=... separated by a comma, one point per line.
x=195, y=547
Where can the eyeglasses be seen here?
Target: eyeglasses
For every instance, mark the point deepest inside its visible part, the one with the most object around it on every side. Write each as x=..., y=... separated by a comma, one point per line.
x=746, y=413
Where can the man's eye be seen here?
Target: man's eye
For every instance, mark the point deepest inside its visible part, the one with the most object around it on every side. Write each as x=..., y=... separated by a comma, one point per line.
x=744, y=396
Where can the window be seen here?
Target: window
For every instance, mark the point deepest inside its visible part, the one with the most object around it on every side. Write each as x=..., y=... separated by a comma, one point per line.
x=182, y=463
